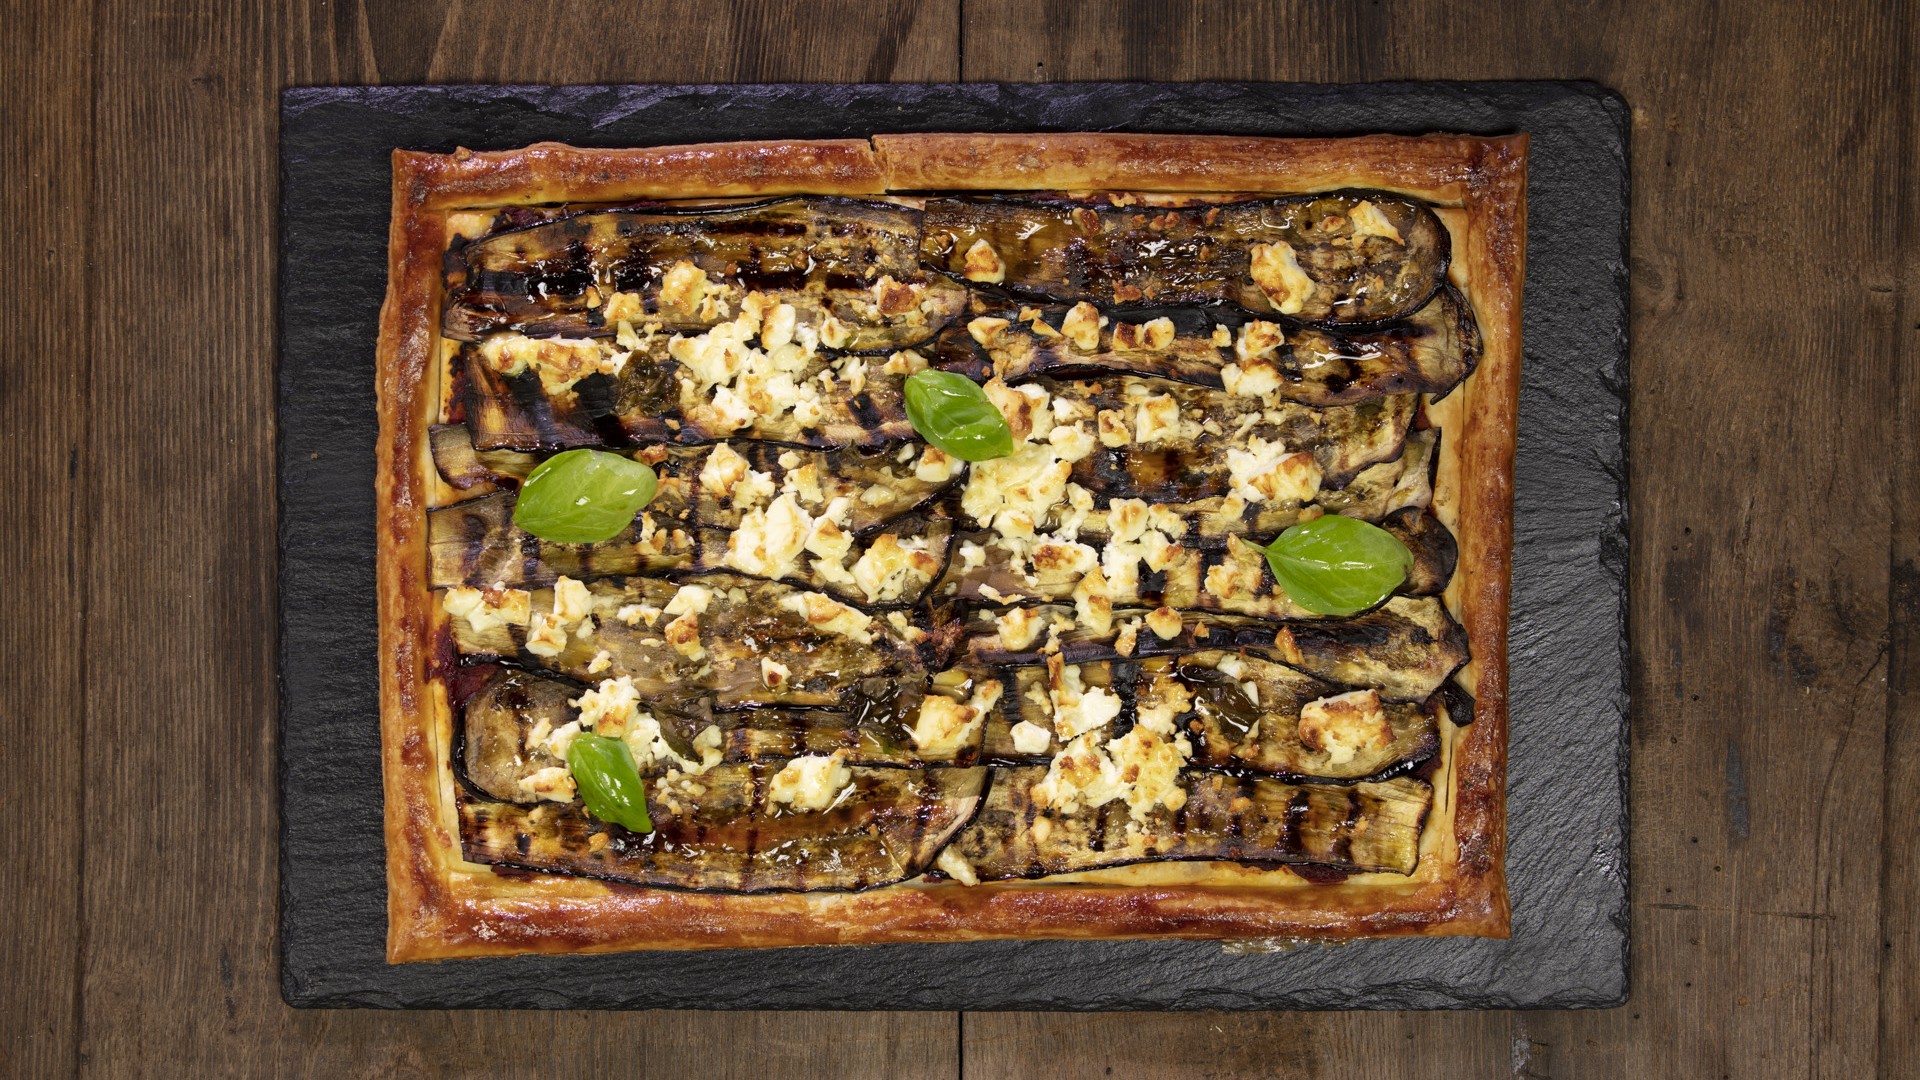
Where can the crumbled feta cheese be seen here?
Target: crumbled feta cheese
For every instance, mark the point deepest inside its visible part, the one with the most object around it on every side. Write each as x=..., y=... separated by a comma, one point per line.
x=904, y=362
x=987, y=331
x=1093, y=603
x=1018, y=628
x=683, y=634
x=1276, y=270
x=1030, y=738
x=1155, y=334
x=553, y=783
x=690, y=598
x=943, y=725
x=1077, y=708
x=811, y=783
x=982, y=263
x=1250, y=378
x=1081, y=326
x=683, y=286
x=1369, y=221
x=955, y=865
x=609, y=707
x=1164, y=622
x=774, y=673
x=1156, y=418
x=559, y=362
x=1267, y=472
x=1343, y=725
x=1257, y=339
x=601, y=661
x=828, y=615
x=546, y=635
x=484, y=609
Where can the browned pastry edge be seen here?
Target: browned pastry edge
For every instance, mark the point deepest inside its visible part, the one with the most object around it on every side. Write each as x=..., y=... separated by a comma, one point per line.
x=440, y=906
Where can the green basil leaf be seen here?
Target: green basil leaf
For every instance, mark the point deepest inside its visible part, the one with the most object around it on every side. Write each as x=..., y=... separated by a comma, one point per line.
x=583, y=496
x=950, y=411
x=1337, y=565
x=609, y=782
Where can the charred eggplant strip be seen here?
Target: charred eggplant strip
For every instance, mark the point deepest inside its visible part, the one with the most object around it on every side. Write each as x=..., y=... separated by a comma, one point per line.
x=1371, y=827
x=476, y=543
x=848, y=268
x=1429, y=352
x=1245, y=712
x=649, y=397
x=1195, y=574
x=879, y=484
x=721, y=831
x=463, y=467
x=1240, y=711
x=1161, y=440
x=711, y=645
x=509, y=724
x=1405, y=649
x=1344, y=257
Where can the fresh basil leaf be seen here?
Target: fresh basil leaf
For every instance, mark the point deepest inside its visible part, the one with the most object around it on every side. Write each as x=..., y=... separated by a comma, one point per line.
x=583, y=496
x=1336, y=565
x=950, y=411
x=609, y=781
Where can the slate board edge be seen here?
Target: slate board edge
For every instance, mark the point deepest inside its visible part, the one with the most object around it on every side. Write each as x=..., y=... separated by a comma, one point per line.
x=311, y=981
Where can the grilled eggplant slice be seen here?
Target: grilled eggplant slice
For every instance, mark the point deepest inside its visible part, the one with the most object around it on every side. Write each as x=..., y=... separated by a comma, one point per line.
x=1429, y=352
x=631, y=397
x=463, y=467
x=677, y=659
x=1343, y=257
x=496, y=725
x=476, y=543
x=1243, y=712
x=1356, y=827
x=1198, y=574
x=1239, y=711
x=505, y=726
x=718, y=831
x=1405, y=649
x=850, y=261
x=879, y=484
x=1183, y=458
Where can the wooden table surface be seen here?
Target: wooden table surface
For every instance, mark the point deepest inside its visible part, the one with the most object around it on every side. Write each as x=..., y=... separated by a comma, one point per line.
x=1776, y=375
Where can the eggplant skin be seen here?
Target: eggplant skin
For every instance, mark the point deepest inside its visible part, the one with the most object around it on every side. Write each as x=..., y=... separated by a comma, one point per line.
x=476, y=543
x=1429, y=352
x=1406, y=648
x=1202, y=254
x=877, y=729
x=1369, y=826
x=716, y=831
x=1228, y=728
x=746, y=620
x=826, y=256
x=1230, y=577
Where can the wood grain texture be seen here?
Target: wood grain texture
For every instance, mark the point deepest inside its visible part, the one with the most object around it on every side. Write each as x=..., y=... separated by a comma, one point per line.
x=1776, y=558
x=1761, y=631
x=1900, y=884
x=45, y=76
x=180, y=975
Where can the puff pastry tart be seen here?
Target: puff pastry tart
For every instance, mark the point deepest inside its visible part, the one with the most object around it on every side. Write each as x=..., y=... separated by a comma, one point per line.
x=944, y=537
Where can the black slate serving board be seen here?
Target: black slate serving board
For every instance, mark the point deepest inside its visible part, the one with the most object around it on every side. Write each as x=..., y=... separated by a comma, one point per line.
x=1567, y=773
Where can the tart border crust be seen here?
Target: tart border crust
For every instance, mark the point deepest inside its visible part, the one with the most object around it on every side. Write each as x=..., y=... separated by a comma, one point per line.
x=442, y=906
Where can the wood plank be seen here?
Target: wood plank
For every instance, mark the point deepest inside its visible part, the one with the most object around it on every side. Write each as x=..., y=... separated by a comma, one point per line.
x=1900, y=880
x=44, y=169
x=180, y=973
x=1758, y=627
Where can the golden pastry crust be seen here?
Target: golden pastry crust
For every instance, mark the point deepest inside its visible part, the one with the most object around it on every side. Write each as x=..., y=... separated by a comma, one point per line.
x=440, y=905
